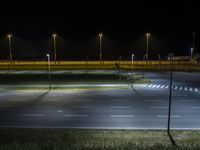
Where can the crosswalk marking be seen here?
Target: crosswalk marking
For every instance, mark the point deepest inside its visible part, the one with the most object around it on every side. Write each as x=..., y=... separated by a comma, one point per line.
x=185, y=88
x=157, y=86
x=154, y=86
x=162, y=86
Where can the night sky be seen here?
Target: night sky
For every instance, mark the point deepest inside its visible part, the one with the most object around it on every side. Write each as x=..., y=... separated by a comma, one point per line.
x=123, y=23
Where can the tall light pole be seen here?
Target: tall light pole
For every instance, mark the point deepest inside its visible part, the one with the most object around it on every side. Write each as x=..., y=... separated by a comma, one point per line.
x=170, y=94
x=49, y=71
x=193, y=43
x=54, y=46
x=191, y=53
x=147, y=52
x=100, y=46
x=120, y=68
x=9, y=36
x=132, y=68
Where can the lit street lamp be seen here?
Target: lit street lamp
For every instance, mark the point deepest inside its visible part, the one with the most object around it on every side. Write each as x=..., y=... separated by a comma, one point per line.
x=120, y=68
x=54, y=46
x=100, y=45
x=132, y=68
x=49, y=71
x=147, y=52
x=10, y=47
x=193, y=43
x=191, y=52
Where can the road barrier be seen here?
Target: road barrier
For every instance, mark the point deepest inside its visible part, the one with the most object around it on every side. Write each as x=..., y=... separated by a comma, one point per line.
x=123, y=64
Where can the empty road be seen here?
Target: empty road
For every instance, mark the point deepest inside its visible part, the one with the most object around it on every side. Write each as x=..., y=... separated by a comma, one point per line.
x=143, y=107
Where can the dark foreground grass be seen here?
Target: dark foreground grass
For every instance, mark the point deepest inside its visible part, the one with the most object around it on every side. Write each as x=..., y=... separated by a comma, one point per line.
x=91, y=139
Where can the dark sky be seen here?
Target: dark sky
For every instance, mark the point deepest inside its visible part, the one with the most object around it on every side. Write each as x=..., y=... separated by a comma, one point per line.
x=124, y=24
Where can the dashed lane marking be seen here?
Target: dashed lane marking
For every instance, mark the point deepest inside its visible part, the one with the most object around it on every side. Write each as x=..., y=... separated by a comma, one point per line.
x=122, y=116
x=32, y=115
x=120, y=107
x=162, y=116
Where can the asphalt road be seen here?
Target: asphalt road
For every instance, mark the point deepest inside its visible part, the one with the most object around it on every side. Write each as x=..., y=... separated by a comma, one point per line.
x=145, y=106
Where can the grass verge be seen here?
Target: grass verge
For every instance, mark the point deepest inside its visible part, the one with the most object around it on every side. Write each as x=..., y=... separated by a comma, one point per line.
x=93, y=139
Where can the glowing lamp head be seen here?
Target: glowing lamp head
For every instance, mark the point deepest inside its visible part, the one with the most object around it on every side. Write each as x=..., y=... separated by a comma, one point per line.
x=132, y=55
x=100, y=34
x=48, y=55
x=148, y=34
x=9, y=35
x=54, y=35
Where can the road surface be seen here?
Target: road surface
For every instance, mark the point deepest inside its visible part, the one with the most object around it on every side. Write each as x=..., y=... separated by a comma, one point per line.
x=143, y=107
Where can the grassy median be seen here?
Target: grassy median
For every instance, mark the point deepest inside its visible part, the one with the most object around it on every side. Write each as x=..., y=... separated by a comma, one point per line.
x=93, y=139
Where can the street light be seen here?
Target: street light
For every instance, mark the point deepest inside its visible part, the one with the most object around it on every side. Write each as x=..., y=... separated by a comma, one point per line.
x=147, y=52
x=193, y=43
x=170, y=93
x=100, y=45
x=132, y=68
x=9, y=36
x=191, y=52
x=120, y=68
x=49, y=71
x=54, y=46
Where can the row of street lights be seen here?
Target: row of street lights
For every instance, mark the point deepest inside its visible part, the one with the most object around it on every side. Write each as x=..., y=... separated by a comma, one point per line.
x=54, y=35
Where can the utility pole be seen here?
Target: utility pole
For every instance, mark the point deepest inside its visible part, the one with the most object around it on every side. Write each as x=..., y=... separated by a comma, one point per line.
x=49, y=71
x=170, y=94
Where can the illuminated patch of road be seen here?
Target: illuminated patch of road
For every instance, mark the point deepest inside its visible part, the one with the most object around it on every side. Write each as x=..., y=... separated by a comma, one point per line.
x=120, y=107
x=122, y=116
x=163, y=116
x=75, y=115
x=32, y=115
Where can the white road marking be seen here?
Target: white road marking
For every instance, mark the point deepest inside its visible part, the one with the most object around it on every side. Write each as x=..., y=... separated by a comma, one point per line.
x=6, y=106
x=187, y=100
x=190, y=89
x=119, y=100
x=154, y=86
x=41, y=106
x=195, y=107
x=162, y=116
x=158, y=107
x=80, y=106
x=60, y=111
x=85, y=100
x=185, y=88
x=162, y=86
x=75, y=115
x=120, y=107
x=167, y=86
x=50, y=99
x=180, y=95
x=181, y=88
x=157, y=86
x=150, y=85
x=17, y=99
x=122, y=116
x=153, y=100
x=176, y=87
x=32, y=115
x=196, y=90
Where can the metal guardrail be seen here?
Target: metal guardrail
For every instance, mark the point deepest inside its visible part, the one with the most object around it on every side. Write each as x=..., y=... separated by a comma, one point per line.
x=154, y=62
x=137, y=65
